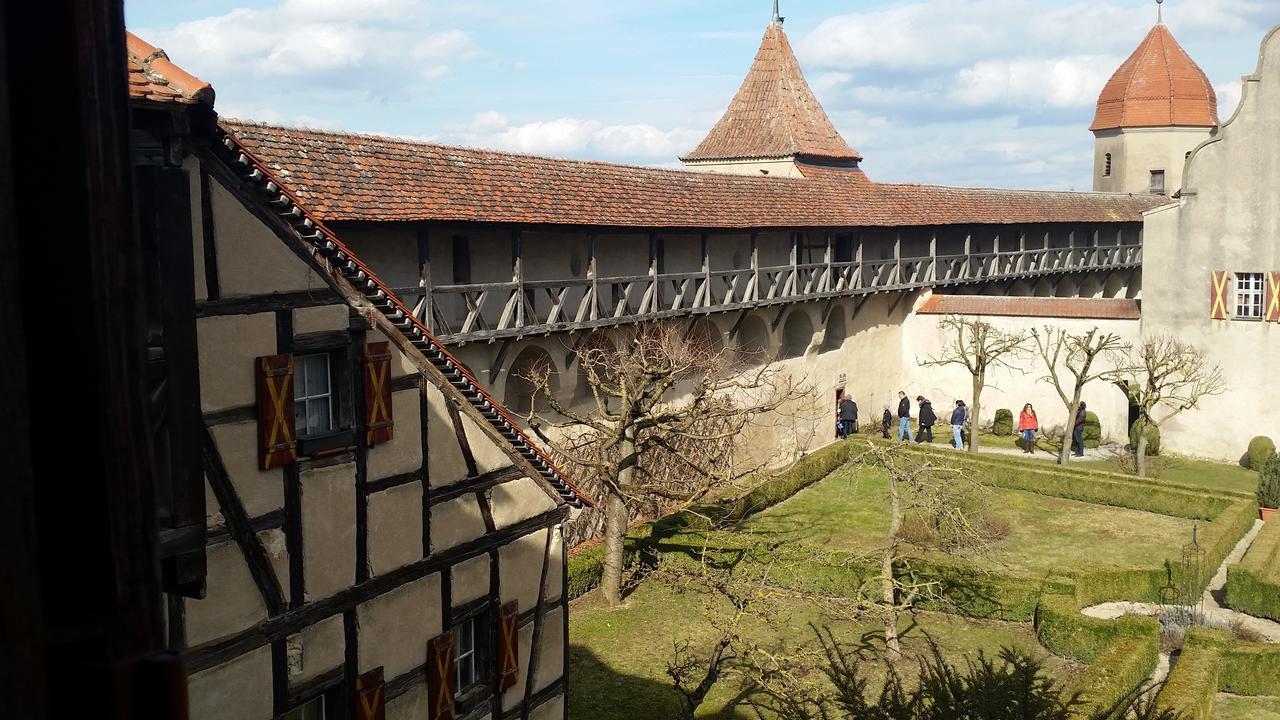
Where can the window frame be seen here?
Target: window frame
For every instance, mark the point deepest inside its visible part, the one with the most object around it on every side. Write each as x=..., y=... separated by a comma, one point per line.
x=338, y=347
x=1157, y=173
x=481, y=615
x=1256, y=293
x=1106, y=165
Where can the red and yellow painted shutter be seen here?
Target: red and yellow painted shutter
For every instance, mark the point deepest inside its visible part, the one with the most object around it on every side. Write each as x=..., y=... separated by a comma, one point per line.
x=1218, y=296
x=277, y=445
x=371, y=696
x=508, y=645
x=1271, y=303
x=377, y=393
x=440, y=678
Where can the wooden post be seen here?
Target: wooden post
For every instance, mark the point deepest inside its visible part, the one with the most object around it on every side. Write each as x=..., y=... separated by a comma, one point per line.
x=828, y=258
x=594, y=276
x=897, y=257
x=706, y=272
x=517, y=274
x=968, y=252
x=654, y=295
x=426, y=316
x=857, y=258
x=933, y=256
x=794, y=280
x=755, y=266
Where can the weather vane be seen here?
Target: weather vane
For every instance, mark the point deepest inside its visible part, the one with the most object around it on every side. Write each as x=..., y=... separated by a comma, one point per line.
x=1159, y=10
x=777, y=18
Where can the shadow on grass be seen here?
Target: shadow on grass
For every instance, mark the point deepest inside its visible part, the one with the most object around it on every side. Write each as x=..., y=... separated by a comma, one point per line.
x=598, y=691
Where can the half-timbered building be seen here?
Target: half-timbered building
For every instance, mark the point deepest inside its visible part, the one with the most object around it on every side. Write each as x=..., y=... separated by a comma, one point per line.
x=351, y=523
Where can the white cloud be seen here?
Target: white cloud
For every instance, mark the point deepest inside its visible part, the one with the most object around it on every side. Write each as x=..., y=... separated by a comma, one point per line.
x=1228, y=98
x=575, y=137
x=1054, y=82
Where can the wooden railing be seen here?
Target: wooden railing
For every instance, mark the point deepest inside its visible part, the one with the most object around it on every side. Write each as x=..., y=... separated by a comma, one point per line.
x=474, y=312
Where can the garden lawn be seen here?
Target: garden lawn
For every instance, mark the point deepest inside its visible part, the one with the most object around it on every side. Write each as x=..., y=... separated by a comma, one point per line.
x=848, y=512
x=618, y=659
x=1242, y=707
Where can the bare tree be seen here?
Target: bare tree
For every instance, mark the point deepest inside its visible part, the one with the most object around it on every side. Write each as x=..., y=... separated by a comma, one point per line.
x=1072, y=361
x=1172, y=374
x=661, y=424
x=978, y=346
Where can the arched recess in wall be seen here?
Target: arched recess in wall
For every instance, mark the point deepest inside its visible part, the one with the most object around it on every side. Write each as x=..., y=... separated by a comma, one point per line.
x=836, y=332
x=706, y=337
x=593, y=352
x=518, y=392
x=797, y=333
x=753, y=339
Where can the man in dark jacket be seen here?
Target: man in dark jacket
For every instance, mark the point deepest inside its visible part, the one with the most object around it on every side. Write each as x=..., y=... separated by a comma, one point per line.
x=927, y=419
x=848, y=416
x=1077, y=435
x=904, y=418
x=959, y=418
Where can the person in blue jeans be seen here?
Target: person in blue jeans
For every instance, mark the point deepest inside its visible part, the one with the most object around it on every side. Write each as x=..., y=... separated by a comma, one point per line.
x=1077, y=432
x=959, y=417
x=904, y=418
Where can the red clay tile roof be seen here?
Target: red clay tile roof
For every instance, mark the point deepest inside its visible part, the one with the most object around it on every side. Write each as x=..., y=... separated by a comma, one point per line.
x=373, y=178
x=1087, y=308
x=774, y=114
x=153, y=78
x=1158, y=86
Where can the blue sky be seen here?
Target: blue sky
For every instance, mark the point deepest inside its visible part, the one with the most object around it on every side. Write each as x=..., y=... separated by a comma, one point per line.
x=960, y=92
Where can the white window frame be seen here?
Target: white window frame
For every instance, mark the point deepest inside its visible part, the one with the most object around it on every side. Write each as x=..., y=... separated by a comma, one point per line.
x=302, y=402
x=1250, y=295
x=465, y=658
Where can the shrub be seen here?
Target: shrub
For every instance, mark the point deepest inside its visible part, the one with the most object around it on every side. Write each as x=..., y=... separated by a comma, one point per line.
x=1193, y=682
x=1115, y=676
x=1153, y=438
x=1261, y=449
x=1269, y=484
x=1003, y=424
x=1251, y=669
x=1092, y=430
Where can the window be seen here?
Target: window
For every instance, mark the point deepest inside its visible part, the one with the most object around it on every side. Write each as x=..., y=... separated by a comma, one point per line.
x=471, y=655
x=1249, y=296
x=313, y=402
x=311, y=710
x=1157, y=181
x=1106, y=165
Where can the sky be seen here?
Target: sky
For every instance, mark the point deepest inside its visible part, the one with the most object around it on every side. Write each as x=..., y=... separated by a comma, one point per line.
x=993, y=93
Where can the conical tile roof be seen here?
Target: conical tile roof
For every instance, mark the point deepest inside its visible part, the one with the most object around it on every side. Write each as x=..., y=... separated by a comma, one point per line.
x=774, y=114
x=1158, y=86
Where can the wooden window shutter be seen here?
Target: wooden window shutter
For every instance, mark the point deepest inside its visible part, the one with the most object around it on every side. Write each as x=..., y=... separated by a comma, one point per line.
x=371, y=696
x=440, y=678
x=277, y=445
x=1272, y=300
x=508, y=645
x=377, y=393
x=1218, y=296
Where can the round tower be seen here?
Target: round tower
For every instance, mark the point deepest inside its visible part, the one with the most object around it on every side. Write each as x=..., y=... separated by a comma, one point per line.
x=1153, y=111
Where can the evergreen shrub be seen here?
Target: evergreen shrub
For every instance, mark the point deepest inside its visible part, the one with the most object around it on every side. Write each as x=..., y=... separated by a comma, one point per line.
x=1003, y=424
x=1269, y=484
x=1092, y=430
x=1261, y=449
x=1153, y=438
x=1193, y=683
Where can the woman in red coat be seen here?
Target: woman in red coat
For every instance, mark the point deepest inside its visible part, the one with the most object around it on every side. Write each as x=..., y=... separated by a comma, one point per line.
x=1028, y=424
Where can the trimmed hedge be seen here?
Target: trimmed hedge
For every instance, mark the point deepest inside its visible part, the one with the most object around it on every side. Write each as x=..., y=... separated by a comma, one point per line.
x=1261, y=449
x=1251, y=669
x=1253, y=584
x=1003, y=424
x=1193, y=682
x=1121, y=669
x=1153, y=438
x=1092, y=429
x=586, y=567
x=1268, y=492
x=1065, y=631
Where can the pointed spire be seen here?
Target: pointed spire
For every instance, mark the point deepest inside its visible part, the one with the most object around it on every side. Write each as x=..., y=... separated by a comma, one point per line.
x=1159, y=11
x=774, y=114
x=778, y=19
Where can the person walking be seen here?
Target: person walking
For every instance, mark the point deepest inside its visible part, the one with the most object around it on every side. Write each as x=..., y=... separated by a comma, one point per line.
x=1028, y=424
x=927, y=419
x=1077, y=433
x=959, y=417
x=848, y=417
x=886, y=421
x=904, y=417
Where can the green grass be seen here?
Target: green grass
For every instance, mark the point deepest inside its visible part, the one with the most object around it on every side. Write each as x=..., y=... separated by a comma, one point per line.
x=617, y=659
x=1241, y=707
x=848, y=512
x=1200, y=473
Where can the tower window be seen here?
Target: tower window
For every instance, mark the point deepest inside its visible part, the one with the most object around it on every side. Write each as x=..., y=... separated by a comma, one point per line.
x=1106, y=165
x=1157, y=181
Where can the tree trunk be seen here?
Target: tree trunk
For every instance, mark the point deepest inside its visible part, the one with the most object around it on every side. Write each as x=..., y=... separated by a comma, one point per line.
x=978, y=381
x=1064, y=454
x=1140, y=449
x=615, y=533
x=888, y=595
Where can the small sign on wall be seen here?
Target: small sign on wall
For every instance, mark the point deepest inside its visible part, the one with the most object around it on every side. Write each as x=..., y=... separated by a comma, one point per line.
x=371, y=700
